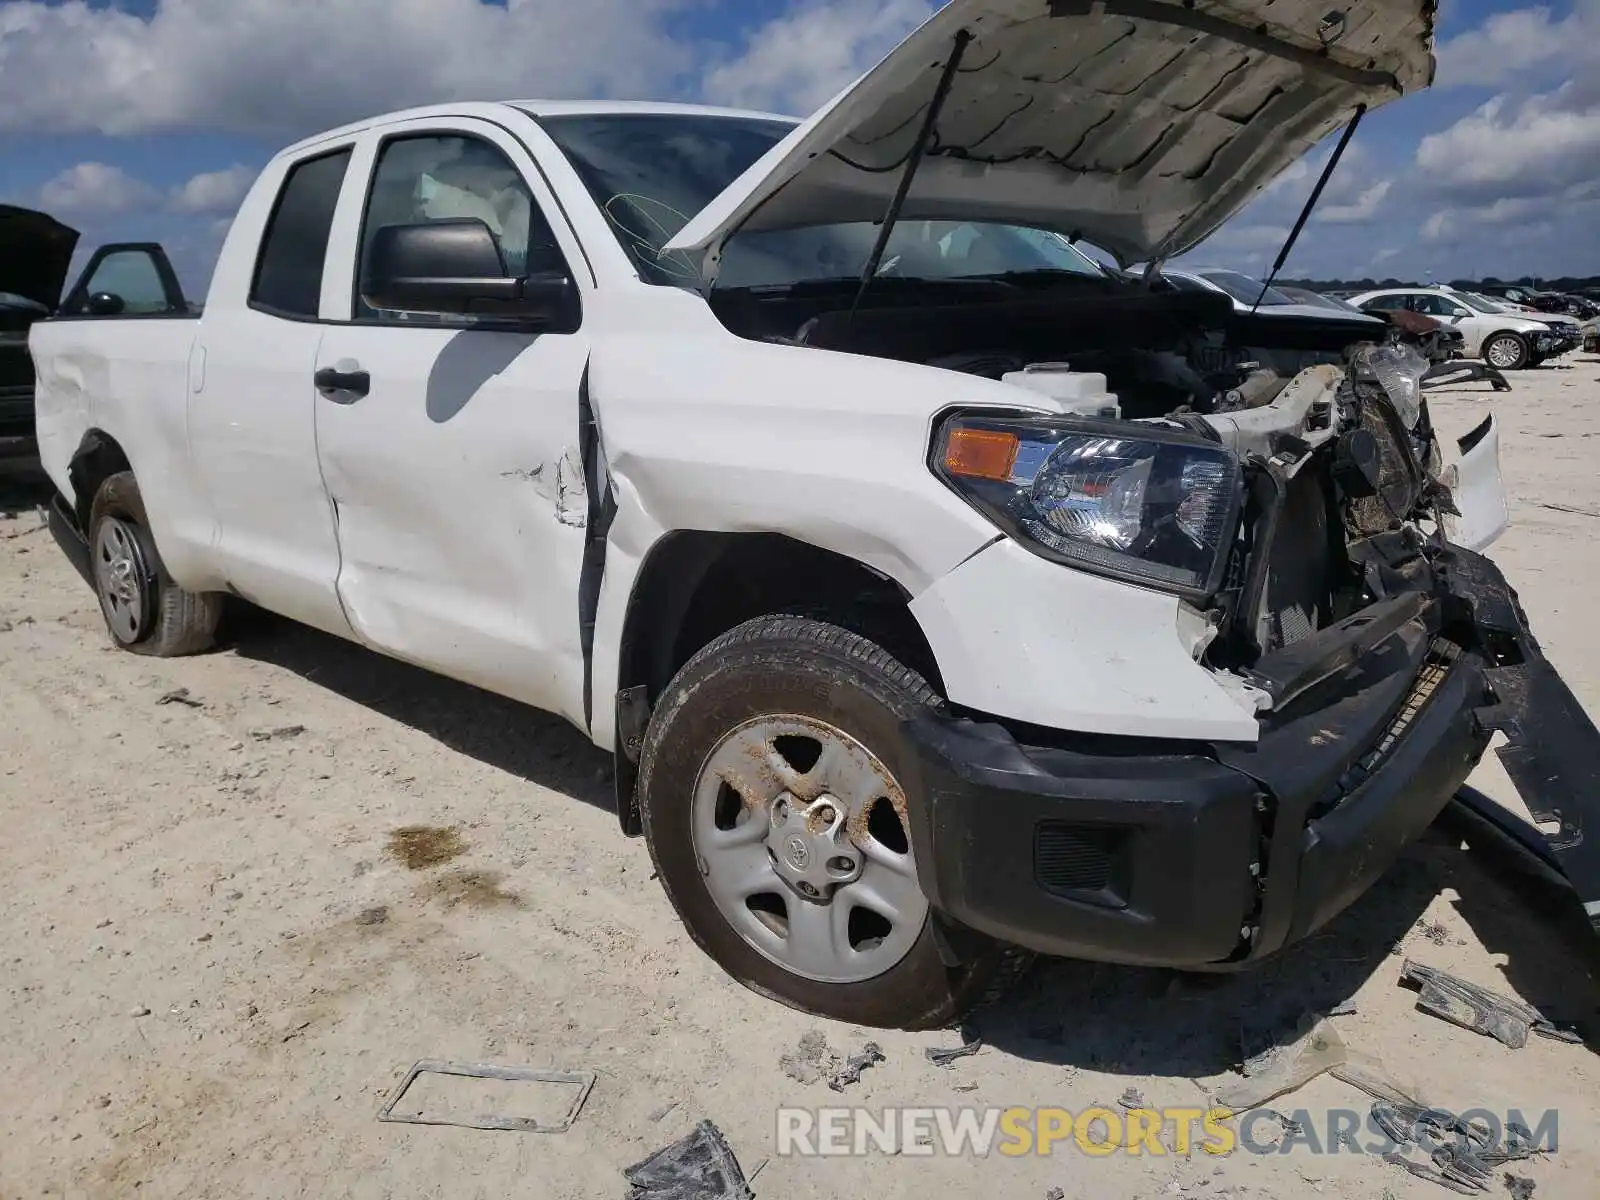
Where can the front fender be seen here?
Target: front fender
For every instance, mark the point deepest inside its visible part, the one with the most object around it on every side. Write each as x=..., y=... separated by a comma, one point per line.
x=1017, y=636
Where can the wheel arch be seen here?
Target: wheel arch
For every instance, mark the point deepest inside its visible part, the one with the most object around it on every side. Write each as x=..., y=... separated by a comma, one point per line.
x=1506, y=331
x=694, y=586
x=98, y=457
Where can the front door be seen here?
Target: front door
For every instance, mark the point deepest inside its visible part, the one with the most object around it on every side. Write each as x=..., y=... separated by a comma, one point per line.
x=450, y=447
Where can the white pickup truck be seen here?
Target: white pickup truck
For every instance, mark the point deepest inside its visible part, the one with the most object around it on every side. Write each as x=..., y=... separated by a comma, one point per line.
x=746, y=446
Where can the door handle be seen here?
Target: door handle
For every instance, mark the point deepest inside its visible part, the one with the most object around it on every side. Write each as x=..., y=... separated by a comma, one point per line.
x=330, y=380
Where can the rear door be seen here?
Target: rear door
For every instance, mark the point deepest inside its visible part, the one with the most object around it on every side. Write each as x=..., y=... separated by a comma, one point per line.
x=252, y=416
x=451, y=446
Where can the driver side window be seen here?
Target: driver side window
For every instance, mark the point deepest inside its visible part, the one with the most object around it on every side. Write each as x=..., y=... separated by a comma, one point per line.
x=439, y=177
x=1438, y=306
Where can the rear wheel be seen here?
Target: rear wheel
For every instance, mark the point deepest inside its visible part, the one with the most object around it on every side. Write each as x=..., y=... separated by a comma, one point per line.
x=145, y=611
x=769, y=791
x=1506, y=351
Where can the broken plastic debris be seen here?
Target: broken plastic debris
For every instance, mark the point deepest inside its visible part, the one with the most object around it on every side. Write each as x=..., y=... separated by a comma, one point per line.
x=850, y=1072
x=942, y=1057
x=1132, y=1098
x=1320, y=1049
x=1473, y=1007
x=1461, y=1154
x=698, y=1166
x=1520, y=1187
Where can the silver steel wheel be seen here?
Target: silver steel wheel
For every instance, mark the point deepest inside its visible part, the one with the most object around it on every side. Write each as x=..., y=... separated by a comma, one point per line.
x=119, y=578
x=801, y=836
x=1503, y=352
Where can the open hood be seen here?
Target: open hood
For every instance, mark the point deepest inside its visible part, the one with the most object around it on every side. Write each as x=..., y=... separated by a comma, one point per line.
x=35, y=252
x=1139, y=125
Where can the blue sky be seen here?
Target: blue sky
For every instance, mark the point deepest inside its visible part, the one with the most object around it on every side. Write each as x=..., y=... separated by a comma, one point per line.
x=148, y=118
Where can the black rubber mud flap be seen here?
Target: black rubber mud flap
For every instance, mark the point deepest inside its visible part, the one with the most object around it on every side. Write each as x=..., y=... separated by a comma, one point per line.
x=1552, y=750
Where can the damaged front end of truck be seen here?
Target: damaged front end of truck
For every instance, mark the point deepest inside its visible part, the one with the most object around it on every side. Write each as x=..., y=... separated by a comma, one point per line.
x=1354, y=611
x=1282, y=479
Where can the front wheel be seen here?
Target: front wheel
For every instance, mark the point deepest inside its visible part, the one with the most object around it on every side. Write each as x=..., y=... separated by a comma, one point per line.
x=769, y=793
x=1506, y=351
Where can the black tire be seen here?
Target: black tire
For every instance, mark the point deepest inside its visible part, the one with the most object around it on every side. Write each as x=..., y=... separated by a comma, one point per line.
x=170, y=621
x=798, y=665
x=1506, y=359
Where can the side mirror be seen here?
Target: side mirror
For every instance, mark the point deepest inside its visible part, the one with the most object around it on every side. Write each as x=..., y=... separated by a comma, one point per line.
x=106, y=304
x=454, y=268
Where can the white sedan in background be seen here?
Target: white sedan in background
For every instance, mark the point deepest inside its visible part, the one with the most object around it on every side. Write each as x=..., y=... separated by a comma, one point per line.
x=1505, y=339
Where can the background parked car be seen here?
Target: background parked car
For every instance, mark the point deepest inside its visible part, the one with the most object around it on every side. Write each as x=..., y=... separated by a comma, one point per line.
x=1248, y=293
x=1506, y=340
x=35, y=252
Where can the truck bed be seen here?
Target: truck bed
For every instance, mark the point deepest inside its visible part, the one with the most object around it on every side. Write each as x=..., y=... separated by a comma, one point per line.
x=129, y=377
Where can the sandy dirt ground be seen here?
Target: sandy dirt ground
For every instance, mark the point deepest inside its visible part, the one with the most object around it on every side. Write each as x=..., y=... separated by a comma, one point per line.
x=221, y=952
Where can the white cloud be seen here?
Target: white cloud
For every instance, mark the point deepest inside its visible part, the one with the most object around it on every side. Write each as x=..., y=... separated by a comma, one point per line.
x=798, y=61
x=282, y=69
x=213, y=191
x=1537, y=145
x=1439, y=225
x=1363, y=208
x=1508, y=44
x=94, y=188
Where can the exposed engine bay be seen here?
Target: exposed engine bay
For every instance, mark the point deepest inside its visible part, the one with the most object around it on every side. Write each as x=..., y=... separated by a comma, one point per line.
x=1342, y=494
x=1159, y=351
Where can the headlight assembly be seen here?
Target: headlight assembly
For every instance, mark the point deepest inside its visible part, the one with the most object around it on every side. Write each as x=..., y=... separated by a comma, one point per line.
x=1399, y=371
x=1153, y=506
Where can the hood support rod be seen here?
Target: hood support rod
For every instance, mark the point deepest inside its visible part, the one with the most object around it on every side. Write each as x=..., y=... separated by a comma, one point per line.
x=919, y=151
x=1311, y=203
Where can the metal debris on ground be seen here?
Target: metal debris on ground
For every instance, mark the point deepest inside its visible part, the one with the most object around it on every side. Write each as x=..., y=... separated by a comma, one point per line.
x=582, y=1080
x=810, y=1060
x=944, y=1057
x=1289, y=1125
x=180, y=696
x=1132, y=1098
x=698, y=1166
x=1520, y=1186
x=1055, y=1194
x=850, y=1071
x=1461, y=1154
x=1435, y=931
x=1473, y=1007
x=278, y=733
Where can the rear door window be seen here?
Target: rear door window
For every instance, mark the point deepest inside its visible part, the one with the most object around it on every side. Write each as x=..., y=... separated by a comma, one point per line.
x=294, y=248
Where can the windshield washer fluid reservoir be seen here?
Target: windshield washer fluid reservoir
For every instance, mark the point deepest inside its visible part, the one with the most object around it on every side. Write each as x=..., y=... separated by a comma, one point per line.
x=1082, y=393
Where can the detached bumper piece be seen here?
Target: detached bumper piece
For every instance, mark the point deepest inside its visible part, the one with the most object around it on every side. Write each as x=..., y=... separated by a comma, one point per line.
x=1552, y=749
x=1213, y=856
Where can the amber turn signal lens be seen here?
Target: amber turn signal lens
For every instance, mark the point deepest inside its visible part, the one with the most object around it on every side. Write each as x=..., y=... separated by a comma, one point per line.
x=981, y=453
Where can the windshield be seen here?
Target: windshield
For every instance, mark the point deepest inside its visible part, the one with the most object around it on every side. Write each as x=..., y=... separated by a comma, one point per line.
x=1482, y=303
x=651, y=172
x=1244, y=289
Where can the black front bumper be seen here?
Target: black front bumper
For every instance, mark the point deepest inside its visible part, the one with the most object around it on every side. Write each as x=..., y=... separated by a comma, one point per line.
x=1212, y=856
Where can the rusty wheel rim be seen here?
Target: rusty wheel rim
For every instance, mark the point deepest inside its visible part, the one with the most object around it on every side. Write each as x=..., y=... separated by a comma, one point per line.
x=801, y=838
